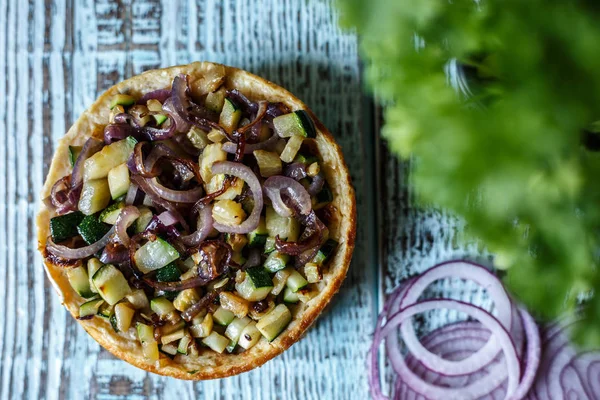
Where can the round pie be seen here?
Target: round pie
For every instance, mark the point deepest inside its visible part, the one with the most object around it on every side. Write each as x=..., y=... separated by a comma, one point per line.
x=196, y=220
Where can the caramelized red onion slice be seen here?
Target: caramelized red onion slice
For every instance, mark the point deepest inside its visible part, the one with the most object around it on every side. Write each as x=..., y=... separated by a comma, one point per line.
x=203, y=227
x=276, y=185
x=260, y=114
x=81, y=252
x=178, y=103
x=296, y=171
x=167, y=218
x=177, y=196
x=244, y=173
x=317, y=184
x=195, y=308
x=161, y=95
x=463, y=270
x=249, y=106
x=126, y=217
x=131, y=194
x=147, y=188
x=231, y=148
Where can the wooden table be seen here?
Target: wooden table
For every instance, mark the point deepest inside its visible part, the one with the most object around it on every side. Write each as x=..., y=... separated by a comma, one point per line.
x=57, y=56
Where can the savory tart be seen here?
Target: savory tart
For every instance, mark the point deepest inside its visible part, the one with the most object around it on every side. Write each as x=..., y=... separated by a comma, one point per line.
x=196, y=220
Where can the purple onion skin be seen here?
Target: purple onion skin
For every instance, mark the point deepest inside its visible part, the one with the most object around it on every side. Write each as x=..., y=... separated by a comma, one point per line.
x=156, y=226
x=250, y=106
x=161, y=95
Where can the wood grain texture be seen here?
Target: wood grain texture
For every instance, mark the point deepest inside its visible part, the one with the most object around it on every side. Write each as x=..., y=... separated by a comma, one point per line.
x=55, y=58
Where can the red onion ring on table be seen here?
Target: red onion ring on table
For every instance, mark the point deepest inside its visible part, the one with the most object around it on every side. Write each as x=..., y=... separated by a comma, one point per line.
x=464, y=270
x=505, y=374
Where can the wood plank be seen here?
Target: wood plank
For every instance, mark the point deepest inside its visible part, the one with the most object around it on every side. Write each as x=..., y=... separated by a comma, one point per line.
x=64, y=54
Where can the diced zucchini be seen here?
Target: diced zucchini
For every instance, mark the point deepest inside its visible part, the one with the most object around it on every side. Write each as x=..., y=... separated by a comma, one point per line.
x=172, y=337
x=79, y=280
x=93, y=265
x=296, y=123
x=216, y=342
x=149, y=344
x=249, y=336
x=64, y=227
x=276, y=261
x=258, y=237
x=113, y=322
x=257, y=315
x=215, y=136
x=184, y=343
x=159, y=118
x=95, y=196
x=325, y=252
x=306, y=294
x=74, y=154
x=296, y=281
x=118, y=180
x=256, y=285
x=234, y=330
x=170, y=328
x=268, y=162
x=238, y=258
x=169, y=349
x=305, y=159
x=198, y=138
x=280, y=279
x=313, y=272
x=105, y=310
x=237, y=305
x=212, y=153
x=124, y=315
x=269, y=245
x=223, y=316
x=230, y=115
x=313, y=169
x=111, y=213
x=92, y=230
x=138, y=299
x=186, y=298
x=215, y=100
x=154, y=105
x=289, y=296
x=112, y=155
x=169, y=273
x=287, y=228
x=323, y=198
x=111, y=284
x=90, y=307
x=216, y=183
x=122, y=100
x=143, y=220
x=154, y=255
x=236, y=241
x=204, y=328
x=228, y=212
x=272, y=324
x=161, y=306
x=291, y=148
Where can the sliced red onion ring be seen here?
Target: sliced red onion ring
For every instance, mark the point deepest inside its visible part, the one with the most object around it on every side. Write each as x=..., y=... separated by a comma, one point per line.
x=295, y=171
x=203, y=227
x=533, y=354
x=176, y=196
x=178, y=103
x=81, y=252
x=131, y=194
x=472, y=391
x=260, y=113
x=167, y=218
x=588, y=367
x=160, y=94
x=244, y=173
x=147, y=188
x=275, y=185
x=318, y=181
x=126, y=217
x=463, y=270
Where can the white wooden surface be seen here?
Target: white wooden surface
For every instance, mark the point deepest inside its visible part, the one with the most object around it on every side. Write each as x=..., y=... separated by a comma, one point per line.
x=55, y=58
